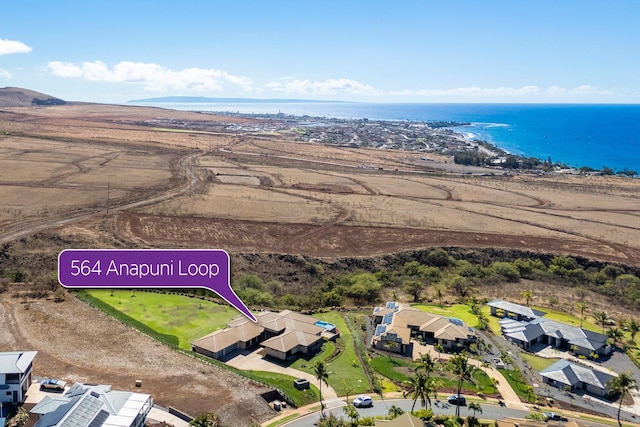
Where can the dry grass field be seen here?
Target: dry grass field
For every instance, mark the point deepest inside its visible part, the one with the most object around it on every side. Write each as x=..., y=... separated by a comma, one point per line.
x=223, y=184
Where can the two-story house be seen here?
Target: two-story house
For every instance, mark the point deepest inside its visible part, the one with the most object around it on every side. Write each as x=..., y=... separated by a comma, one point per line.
x=16, y=370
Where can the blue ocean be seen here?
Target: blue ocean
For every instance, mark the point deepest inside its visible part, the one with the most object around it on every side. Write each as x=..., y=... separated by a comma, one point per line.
x=574, y=134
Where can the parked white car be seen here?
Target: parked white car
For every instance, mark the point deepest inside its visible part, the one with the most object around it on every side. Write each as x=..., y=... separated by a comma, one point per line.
x=363, y=401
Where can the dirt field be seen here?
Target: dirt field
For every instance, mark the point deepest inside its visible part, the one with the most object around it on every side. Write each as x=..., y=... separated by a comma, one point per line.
x=88, y=346
x=247, y=191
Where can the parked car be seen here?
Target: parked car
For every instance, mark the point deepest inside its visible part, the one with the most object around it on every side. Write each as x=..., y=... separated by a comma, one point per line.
x=456, y=399
x=363, y=401
x=52, y=384
x=552, y=416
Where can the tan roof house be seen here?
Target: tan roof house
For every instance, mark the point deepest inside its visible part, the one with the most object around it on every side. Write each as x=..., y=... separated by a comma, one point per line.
x=402, y=323
x=283, y=335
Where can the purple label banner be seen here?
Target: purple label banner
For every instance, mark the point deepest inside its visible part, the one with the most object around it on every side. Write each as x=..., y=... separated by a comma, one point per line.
x=149, y=268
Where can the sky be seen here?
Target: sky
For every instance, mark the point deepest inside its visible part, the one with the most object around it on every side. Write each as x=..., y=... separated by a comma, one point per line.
x=113, y=51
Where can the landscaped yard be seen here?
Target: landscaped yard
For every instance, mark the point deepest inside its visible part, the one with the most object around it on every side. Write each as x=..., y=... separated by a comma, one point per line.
x=186, y=318
x=346, y=374
x=537, y=363
x=400, y=370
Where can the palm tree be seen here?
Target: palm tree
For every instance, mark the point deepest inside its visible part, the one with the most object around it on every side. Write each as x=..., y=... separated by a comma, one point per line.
x=427, y=364
x=417, y=388
x=322, y=375
x=390, y=346
x=495, y=383
x=351, y=412
x=475, y=407
x=622, y=384
x=459, y=366
x=634, y=327
x=615, y=334
x=601, y=317
x=582, y=306
x=395, y=412
x=439, y=348
x=527, y=295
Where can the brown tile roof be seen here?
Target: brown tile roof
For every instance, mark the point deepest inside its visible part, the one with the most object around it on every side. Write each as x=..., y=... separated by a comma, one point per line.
x=222, y=339
x=413, y=316
x=290, y=340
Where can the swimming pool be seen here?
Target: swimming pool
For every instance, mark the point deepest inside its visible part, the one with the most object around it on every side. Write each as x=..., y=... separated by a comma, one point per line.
x=328, y=326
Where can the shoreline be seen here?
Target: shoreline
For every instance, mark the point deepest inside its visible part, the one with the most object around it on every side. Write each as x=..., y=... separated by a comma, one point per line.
x=487, y=146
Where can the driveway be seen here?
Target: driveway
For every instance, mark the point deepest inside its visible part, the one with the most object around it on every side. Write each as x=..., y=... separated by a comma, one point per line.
x=256, y=362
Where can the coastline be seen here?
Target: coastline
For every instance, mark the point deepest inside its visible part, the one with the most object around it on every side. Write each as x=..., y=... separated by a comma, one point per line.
x=544, y=132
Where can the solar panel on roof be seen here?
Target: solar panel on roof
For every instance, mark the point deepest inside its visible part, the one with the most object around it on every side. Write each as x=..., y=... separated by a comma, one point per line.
x=380, y=329
x=387, y=319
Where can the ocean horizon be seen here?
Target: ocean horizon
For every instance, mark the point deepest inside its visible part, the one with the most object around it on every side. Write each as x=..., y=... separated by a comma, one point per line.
x=592, y=135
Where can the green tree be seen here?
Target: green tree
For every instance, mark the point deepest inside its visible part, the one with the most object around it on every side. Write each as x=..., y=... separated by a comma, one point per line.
x=414, y=288
x=634, y=327
x=622, y=384
x=439, y=348
x=390, y=346
x=438, y=294
x=495, y=383
x=439, y=258
x=427, y=364
x=475, y=407
x=602, y=318
x=616, y=335
x=460, y=286
x=395, y=412
x=417, y=388
x=527, y=295
x=460, y=367
x=582, y=306
x=208, y=419
x=353, y=414
x=322, y=375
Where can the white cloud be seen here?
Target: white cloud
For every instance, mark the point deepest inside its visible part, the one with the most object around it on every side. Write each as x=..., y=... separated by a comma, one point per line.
x=289, y=85
x=152, y=77
x=12, y=46
x=5, y=74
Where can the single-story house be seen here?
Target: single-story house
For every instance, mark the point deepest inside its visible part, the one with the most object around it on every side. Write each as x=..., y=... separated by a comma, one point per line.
x=282, y=334
x=16, y=372
x=402, y=323
x=95, y=406
x=501, y=308
x=577, y=377
x=556, y=334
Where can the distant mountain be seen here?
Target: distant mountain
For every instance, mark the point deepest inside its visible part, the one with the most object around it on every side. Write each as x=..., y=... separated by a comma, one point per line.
x=205, y=99
x=18, y=97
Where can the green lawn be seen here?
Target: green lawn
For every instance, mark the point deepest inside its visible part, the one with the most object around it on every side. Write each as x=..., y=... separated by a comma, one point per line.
x=462, y=312
x=570, y=319
x=346, y=374
x=186, y=318
x=537, y=363
x=399, y=370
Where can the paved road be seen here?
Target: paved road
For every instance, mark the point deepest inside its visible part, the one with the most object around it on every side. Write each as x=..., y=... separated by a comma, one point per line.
x=489, y=411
